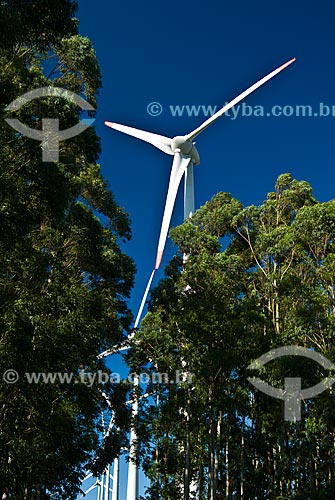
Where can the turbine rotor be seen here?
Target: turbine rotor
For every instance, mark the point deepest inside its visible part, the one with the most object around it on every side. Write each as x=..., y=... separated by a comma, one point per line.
x=186, y=147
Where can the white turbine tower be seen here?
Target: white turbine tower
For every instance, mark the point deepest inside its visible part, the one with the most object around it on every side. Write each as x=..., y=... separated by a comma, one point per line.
x=185, y=154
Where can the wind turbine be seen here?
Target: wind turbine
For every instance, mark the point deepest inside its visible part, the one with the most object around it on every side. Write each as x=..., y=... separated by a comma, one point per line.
x=185, y=154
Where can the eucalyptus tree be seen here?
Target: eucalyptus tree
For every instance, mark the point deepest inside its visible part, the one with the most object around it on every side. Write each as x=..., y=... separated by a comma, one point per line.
x=255, y=278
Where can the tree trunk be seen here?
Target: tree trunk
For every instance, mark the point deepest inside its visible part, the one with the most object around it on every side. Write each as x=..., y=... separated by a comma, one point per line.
x=227, y=467
x=217, y=451
x=187, y=455
x=212, y=448
x=242, y=464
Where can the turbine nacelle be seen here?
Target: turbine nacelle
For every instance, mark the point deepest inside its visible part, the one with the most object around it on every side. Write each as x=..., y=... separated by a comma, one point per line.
x=186, y=147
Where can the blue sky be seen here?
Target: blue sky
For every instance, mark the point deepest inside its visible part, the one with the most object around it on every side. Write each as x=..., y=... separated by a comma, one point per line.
x=189, y=53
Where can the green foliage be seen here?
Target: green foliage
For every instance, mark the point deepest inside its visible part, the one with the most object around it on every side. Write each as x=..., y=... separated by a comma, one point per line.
x=36, y=23
x=254, y=278
x=64, y=281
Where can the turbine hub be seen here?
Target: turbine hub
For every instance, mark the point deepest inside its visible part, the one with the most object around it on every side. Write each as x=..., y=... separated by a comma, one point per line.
x=186, y=147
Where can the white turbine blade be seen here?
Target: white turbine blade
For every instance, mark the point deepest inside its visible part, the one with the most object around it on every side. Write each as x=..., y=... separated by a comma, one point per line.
x=237, y=99
x=179, y=166
x=159, y=141
x=117, y=348
x=89, y=490
x=126, y=345
x=144, y=298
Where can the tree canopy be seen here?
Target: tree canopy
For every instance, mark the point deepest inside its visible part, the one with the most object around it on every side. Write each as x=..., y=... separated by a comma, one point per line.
x=64, y=281
x=252, y=278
